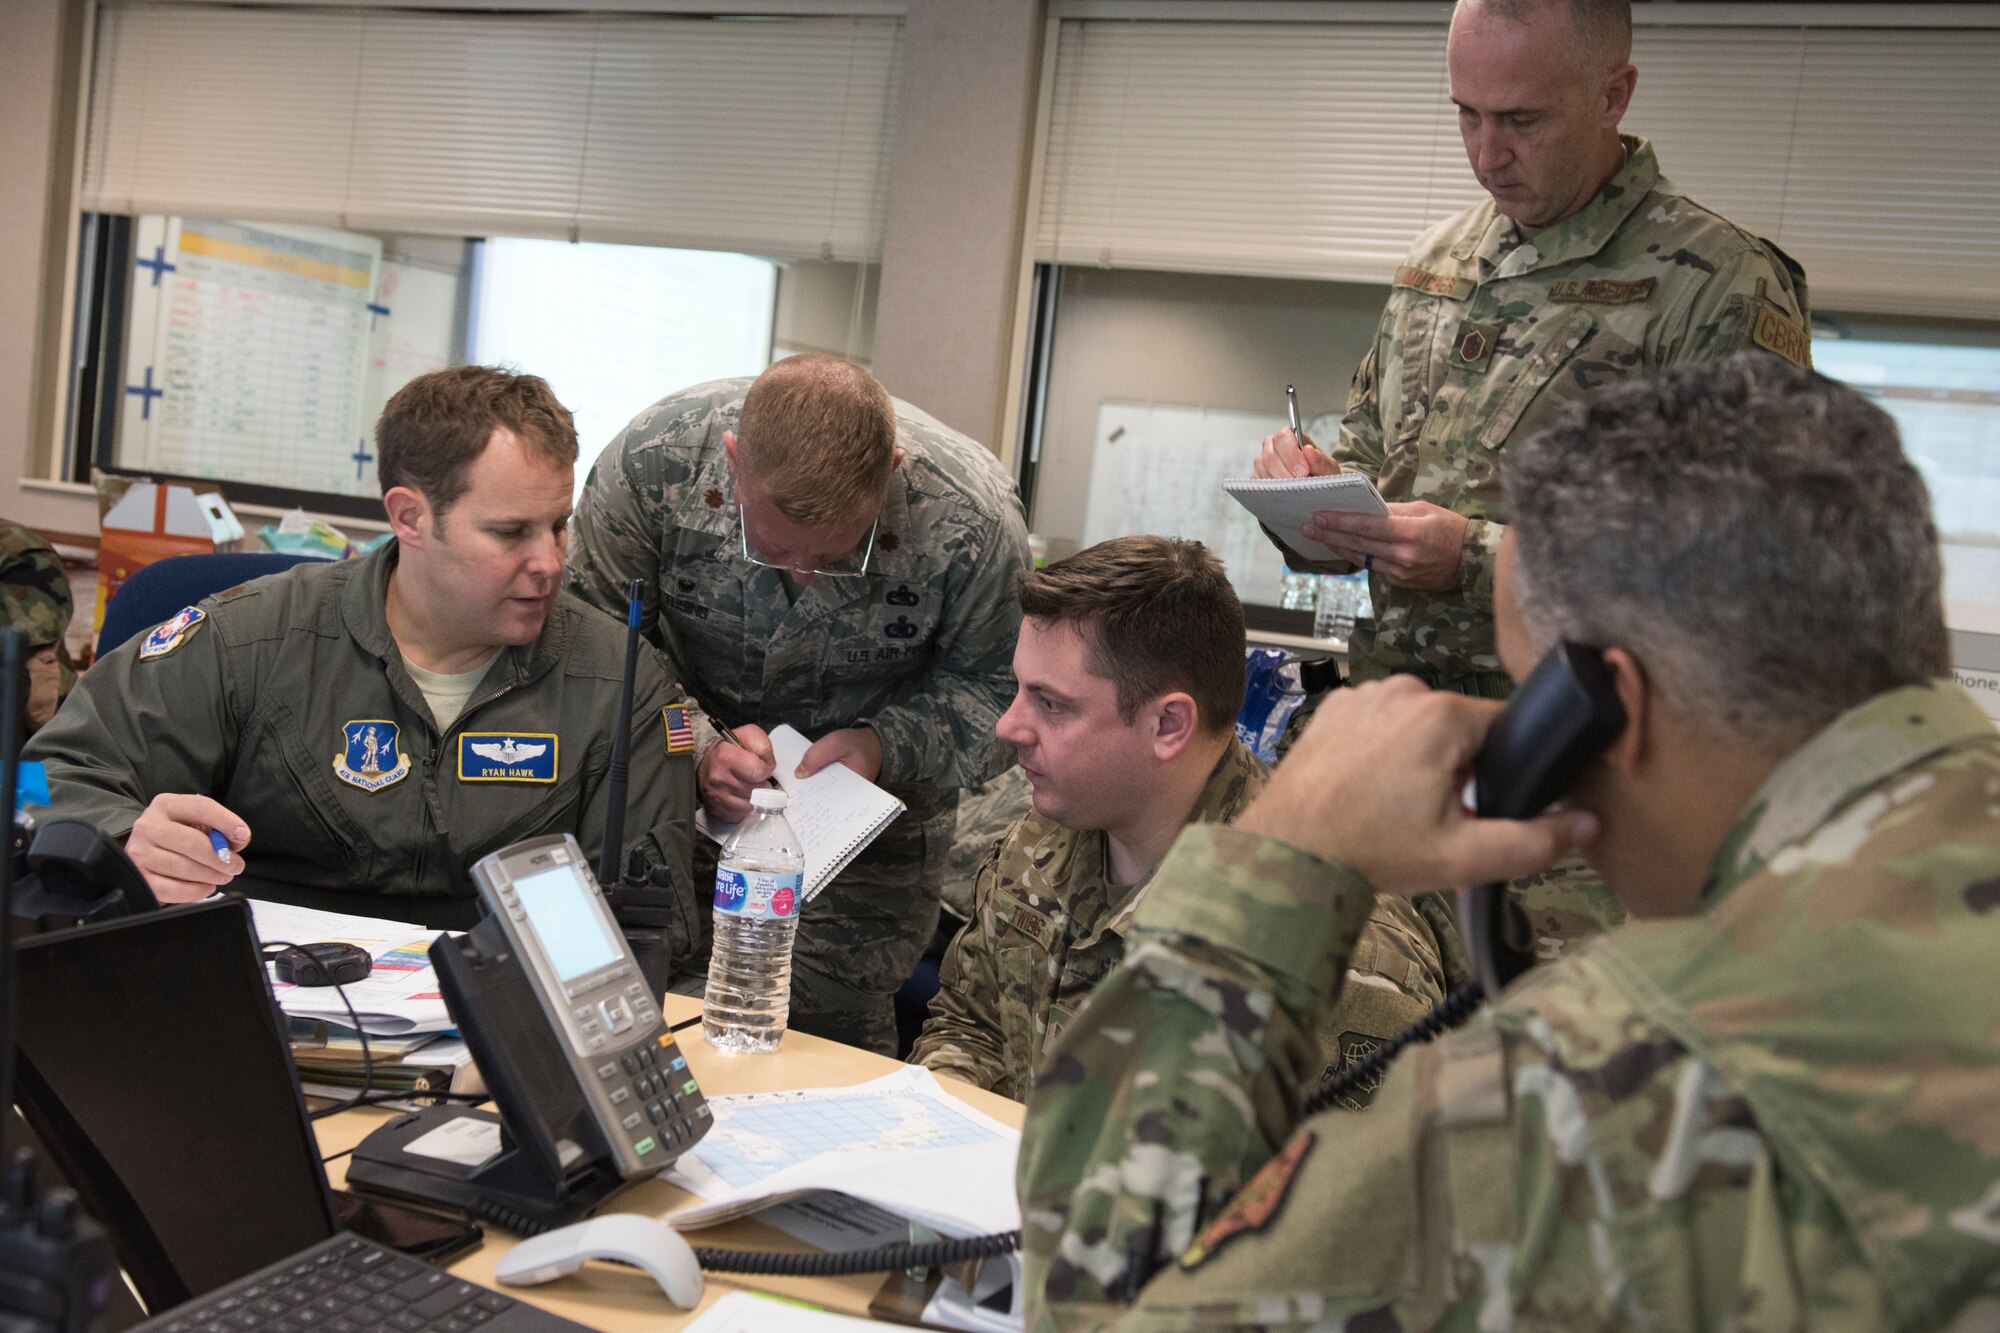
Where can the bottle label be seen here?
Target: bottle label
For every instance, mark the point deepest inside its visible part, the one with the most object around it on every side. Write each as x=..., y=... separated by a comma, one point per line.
x=761, y=894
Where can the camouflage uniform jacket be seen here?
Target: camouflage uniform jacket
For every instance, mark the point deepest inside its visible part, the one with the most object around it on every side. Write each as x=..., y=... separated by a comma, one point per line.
x=34, y=591
x=1487, y=336
x=1048, y=926
x=266, y=703
x=1781, y=1112
x=921, y=649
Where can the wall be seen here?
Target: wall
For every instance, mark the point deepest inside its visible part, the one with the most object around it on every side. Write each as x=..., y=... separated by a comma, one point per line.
x=958, y=184
x=38, y=63
x=1193, y=341
x=826, y=306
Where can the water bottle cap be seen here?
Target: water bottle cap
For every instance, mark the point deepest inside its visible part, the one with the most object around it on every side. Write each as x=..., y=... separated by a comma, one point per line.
x=769, y=798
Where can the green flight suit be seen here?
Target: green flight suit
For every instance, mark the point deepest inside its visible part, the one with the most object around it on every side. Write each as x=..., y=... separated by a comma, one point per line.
x=1779, y=1113
x=920, y=649
x=287, y=700
x=1048, y=926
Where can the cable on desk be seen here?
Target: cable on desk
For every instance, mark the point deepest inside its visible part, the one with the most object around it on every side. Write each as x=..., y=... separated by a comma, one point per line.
x=881, y=1259
x=277, y=948
x=684, y=1024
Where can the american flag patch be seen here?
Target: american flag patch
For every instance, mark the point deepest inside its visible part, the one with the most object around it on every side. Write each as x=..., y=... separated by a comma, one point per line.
x=680, y=731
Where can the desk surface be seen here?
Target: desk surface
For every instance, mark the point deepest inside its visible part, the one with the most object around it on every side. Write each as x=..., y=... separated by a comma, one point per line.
x=616, y=1299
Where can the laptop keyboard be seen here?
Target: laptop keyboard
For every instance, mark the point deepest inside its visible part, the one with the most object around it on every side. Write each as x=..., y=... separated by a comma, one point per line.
x=349, y=1285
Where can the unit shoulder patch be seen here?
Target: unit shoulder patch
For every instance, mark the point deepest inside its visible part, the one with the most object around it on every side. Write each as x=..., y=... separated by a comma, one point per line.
x=507, y=756
x=171, y=634
x=1256, y=1203
x=1433, y=284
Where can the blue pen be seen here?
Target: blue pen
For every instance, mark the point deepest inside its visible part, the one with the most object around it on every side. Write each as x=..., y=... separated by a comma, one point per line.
x=221, y=845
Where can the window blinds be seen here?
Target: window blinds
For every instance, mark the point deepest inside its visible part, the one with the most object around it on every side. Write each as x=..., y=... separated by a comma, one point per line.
x=769, y=136
x=1321, y=149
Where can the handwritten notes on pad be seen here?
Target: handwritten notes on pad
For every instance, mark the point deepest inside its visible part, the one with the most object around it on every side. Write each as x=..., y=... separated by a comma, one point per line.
x=1283, y=504
x=836, y=812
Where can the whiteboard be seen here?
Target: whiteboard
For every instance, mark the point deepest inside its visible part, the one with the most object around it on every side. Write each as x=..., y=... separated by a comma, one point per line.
x=247, y=353
x=1158, y=468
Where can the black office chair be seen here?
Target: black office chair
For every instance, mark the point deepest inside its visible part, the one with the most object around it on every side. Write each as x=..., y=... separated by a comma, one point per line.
x=162, y=588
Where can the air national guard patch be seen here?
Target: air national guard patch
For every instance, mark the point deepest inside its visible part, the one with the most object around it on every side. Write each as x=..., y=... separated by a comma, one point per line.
x=171, y=634
x=374, y=757
x=507, y=756
x=1256, y=1203
x=680, y=731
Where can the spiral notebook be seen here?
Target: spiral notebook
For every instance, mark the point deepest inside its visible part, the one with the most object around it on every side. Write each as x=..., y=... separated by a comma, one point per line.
x=1283, y=504
x=836, y=812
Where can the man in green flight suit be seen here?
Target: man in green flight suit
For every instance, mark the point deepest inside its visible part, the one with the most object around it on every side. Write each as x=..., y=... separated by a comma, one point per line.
x=34, y=593
x=361, y=732
x=1130, y=665
x=1770, y=1101
x=1584, y=267
x=817, y=554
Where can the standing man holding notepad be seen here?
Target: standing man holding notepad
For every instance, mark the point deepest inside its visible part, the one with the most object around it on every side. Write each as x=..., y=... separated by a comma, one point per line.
x=1585, y=266
x=818, y=554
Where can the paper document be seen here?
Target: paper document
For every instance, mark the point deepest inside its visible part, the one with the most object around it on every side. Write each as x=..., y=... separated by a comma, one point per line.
x=1283, y=504
x=749, y=1312
x=836, y=812
x=900, y=1142
x=398, y=997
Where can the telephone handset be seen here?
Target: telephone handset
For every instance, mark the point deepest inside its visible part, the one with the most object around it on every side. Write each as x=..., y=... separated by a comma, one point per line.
x=1562, y=716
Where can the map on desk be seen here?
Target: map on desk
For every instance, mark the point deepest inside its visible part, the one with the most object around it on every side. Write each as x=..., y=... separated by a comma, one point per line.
x=901, y=1143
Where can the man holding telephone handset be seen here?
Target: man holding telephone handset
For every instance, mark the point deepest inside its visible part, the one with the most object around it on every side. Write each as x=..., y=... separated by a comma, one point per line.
x=1771, y=1100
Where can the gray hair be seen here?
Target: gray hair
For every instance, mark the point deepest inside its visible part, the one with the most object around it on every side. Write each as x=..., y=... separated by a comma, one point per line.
x=1598, y=28
x=1751, y=531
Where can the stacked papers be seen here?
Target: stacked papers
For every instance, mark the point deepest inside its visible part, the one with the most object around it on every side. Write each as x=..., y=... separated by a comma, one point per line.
x=399, y=997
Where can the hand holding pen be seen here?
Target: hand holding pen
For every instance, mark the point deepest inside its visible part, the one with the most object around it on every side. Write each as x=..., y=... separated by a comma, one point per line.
x=1291, y=453
x=730, y=771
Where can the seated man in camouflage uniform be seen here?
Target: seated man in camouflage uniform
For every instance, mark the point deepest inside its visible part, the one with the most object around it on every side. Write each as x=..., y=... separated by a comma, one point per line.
x=1769, y=1101
x=34, y=592
x=1130, y=664
x=380, y=724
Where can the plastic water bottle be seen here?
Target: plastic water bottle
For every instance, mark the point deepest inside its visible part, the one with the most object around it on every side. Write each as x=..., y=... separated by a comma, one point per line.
x=758, y=886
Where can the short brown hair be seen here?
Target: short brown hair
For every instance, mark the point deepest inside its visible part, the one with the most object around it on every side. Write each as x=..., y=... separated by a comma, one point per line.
x=1157, y=614
x=436, y=426
x=819, y=435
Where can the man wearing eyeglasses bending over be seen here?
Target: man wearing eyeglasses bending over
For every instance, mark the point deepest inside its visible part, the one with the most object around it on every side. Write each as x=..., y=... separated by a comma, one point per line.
x=817, y=553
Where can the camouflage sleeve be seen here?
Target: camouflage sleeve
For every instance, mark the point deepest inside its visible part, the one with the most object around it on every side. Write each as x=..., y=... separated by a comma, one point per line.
x=33, y=588
x=1399, y=971
x=941, y=735
x=659, y=809
x=1752, y=300
x=1183, y=1074
x=135, y=728
x=962, y=1036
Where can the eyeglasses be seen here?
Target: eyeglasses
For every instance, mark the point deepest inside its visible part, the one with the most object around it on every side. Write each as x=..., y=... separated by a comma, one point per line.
x=849, y=566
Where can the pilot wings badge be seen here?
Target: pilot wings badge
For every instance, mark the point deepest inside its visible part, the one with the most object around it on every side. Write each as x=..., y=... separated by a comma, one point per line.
x=374, y=758
x=507, y=756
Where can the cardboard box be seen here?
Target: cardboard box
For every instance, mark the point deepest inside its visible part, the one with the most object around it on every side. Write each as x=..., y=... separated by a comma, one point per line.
x=144, y=521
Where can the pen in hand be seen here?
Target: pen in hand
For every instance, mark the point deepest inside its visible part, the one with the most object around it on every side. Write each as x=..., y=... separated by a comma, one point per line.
x=221, y=845
x=730, y=736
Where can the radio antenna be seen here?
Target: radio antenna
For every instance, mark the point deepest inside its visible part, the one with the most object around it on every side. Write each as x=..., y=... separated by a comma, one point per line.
x=611, y=855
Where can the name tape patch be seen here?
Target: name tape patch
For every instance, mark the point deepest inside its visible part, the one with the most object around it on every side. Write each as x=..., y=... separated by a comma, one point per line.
x=1433, y=284
x=1600, y=291
x=507, y=756
x=1775, y=333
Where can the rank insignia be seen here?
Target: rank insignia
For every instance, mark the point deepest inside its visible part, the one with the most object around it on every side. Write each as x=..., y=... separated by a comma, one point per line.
x=1474, y=345
x=1256, y=1203
x=171, y=634
x=374, y=756
x=507, y=756
x=680, y=730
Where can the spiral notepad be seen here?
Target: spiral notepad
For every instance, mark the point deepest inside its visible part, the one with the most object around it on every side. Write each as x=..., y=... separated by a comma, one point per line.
x=1283, y=504
x=836, y=812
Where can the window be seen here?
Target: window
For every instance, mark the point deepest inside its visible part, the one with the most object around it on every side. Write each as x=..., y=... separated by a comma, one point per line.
x=613, y=328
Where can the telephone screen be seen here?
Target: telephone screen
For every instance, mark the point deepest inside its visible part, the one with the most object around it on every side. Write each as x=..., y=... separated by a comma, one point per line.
x=572, y=931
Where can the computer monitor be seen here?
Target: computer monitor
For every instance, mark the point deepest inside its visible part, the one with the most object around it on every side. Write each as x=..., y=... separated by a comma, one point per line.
x=154, y=1068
